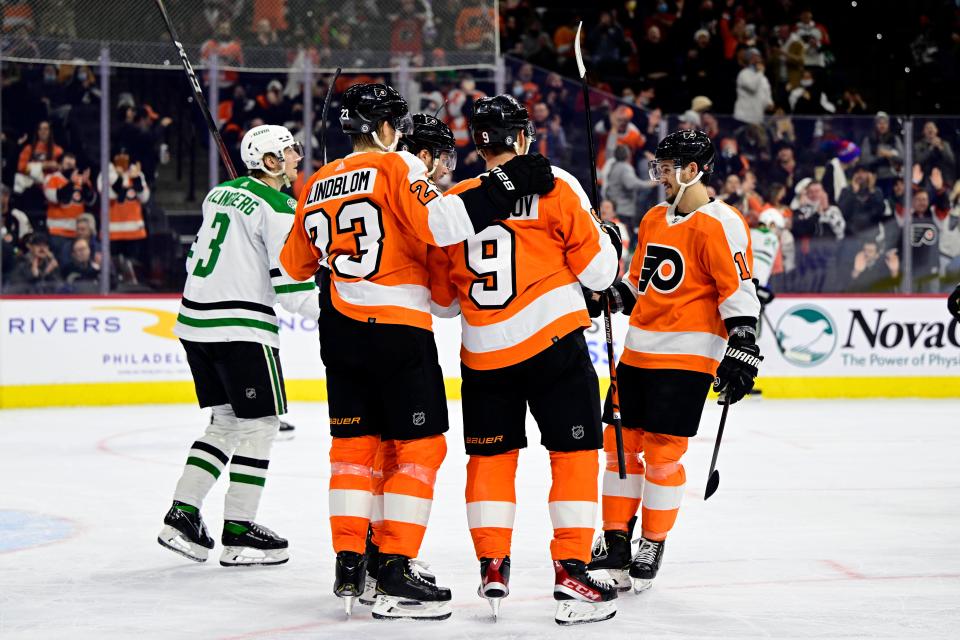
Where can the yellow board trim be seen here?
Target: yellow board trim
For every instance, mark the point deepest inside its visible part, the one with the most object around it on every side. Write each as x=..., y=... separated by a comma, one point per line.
x=127, y=393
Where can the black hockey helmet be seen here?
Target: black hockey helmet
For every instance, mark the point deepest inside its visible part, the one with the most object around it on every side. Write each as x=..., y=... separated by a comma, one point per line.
x=683, y=147
x=498, y=120
x=364, y=106
x=433, y=135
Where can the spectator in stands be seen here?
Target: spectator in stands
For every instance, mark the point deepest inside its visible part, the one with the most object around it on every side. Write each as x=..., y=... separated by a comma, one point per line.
x=818, y=228
x=729, y=161
x=751, y=202
x=933, y=151
x=225, y=45
x=809, y=98
x=874, y=272
x=69, y=193
x=273, y=106
x=474, y=28
x=128, y=192
x=754, y=96
x=141, y=138
x=609, y=213
x=563, y=39
x=786, y=170
x=406, y=30
x=924, y=238
x=815, y=40
x=559, y=97
x=861, y=203
x=852, y=103
x=780, y=130
x=882, y=152
x=950, y=242
x=265, y=35
x=620, y=130
x=622, y=187
x=730, y=191
x=86, y=230
x=702, y=66
x=38, y=158
x=839, y=168
x=37, y=270
x=536, y=45
x=16, y=225
x=82, y=88
x=551, y=141
x=606, y=43
x=81, y=273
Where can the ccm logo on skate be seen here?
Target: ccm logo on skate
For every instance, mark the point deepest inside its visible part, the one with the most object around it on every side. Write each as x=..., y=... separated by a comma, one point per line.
x=490, y=440
x=345, y=420
x=662, y=267
x=580, y=588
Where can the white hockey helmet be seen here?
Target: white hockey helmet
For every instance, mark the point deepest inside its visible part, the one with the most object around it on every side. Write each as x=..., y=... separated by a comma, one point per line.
x=772, y=218
x=267, y=138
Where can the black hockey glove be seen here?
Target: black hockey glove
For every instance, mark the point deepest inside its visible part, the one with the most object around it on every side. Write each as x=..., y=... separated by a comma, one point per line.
x=738, y=369
x=953, y=303
x=620, y=295
x=765, y=294
x=499, y=190
x=614, y=232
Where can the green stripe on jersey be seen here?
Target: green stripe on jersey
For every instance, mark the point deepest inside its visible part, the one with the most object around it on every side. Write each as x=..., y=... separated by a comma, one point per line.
x=227, y=322
x=278, y=201
x=242, y=477
x=203, y=464
x=290, y=288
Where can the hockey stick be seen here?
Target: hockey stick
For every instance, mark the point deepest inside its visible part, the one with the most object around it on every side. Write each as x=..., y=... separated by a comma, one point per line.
x=198, y=94
x=713, y=481
x=323, y=122
x=776, y=338
x=607, y=322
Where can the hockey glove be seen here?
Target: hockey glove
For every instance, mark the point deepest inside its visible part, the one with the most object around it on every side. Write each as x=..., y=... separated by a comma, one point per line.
x=765, y=294
x=614, y=232
x=620, y=295
x=738, y=369
x=953, y=303
x=499, y=190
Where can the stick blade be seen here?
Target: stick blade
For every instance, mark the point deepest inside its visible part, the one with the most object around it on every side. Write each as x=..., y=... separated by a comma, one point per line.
x=579, y=54
x=713, y=483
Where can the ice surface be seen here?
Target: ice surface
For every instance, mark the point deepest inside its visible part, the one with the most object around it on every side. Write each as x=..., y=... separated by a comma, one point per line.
x=834, y=519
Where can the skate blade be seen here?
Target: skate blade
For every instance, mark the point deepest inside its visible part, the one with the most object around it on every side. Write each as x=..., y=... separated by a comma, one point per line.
x=619, y=578
x=570, y=612
x=348, y=605
x=495, y=607
x=395, y=608
x=249, y=557
x=369, y=595
x=176, y=542
x=639, y=585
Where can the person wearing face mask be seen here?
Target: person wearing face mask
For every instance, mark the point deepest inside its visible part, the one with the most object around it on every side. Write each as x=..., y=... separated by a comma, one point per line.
x=808, y=98
x=693, y=321
x=69, y=193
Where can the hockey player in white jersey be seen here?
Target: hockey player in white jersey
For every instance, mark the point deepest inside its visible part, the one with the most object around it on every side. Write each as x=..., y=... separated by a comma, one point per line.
x=229, y=331
x=766, y=247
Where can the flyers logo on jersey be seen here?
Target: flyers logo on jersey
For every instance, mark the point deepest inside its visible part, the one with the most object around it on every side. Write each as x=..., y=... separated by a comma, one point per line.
x=662, y=267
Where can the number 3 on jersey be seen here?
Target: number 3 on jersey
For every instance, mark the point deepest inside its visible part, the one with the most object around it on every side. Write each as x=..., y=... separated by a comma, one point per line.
x=490, y=257
x=361, y=218
x=221, y=222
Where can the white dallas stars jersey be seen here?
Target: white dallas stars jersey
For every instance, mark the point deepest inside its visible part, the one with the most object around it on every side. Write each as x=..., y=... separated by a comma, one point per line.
x=234, y=275
x=766, y=244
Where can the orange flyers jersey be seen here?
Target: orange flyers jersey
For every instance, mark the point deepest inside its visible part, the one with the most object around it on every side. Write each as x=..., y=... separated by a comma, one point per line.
x=369, y=217
x=690, y=273
x=517, y=282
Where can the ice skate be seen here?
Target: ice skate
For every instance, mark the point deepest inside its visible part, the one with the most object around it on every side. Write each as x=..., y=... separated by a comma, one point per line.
x=403, y=592
x=351, y=572
x=611, y=553
x=580, y=597
x=644, y=566
x=494, y=582
x=249, y=544
x=286, y=432
x=369, y=595
x=184, y=532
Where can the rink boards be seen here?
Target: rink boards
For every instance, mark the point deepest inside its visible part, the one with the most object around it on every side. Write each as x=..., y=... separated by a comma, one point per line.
x=68, y=351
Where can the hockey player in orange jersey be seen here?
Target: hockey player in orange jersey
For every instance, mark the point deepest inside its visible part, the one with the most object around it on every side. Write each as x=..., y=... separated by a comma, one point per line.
x=693, y=317
x=369, y=218
x=434, y=144
x=517, y=284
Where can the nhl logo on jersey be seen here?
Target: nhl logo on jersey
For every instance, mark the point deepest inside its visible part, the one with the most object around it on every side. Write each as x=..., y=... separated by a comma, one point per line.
x=419, y=418
x=662, y=267
x=577, y=432
x=251, y=393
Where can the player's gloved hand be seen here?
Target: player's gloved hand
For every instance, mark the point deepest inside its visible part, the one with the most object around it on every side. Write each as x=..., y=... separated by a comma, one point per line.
x=614, y=232
x=595, y=301
x=620, y=295
x=738, y=369
x=499, y=190
x=953, y=303
x=765, y=294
